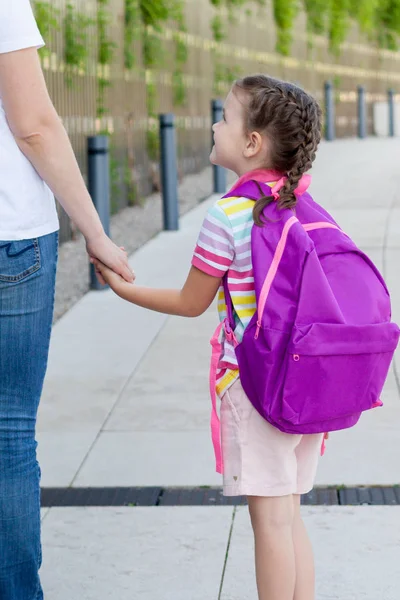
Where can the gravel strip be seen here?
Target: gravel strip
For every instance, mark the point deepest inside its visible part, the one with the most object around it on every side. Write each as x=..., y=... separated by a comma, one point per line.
x=131, y=228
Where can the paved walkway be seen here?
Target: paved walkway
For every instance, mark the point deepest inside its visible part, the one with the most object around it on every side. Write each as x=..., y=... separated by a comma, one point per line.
x=126, y=404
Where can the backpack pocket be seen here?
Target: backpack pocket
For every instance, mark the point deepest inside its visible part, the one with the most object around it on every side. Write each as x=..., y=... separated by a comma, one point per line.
x=335, y=370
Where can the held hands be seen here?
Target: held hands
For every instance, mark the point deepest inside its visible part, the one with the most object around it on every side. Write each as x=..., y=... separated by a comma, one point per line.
x=107, y=276
x=105, y=252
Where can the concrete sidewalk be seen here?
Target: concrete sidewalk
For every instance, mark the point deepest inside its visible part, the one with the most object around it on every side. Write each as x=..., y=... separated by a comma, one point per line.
x=126, y=404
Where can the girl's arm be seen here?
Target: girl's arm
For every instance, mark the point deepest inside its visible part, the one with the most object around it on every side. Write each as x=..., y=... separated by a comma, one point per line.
x=192, y=300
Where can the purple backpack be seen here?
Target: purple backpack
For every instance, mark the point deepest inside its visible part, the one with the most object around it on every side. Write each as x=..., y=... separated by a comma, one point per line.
x=318, y=350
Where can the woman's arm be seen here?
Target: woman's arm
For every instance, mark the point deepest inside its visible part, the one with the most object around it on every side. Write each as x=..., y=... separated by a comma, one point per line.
x=192, y=300
x=41, y=136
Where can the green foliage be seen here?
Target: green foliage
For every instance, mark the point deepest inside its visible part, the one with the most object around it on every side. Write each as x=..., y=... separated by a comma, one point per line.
x=316, y=11
x=130, y=185
x=152, y=137
x=338, y=24
x=217, y=28
x=388, y=23
x=364, y=12
x=285, y=12
x=379, y=19
x=235, y=3
x=151, y=99
x=179, y=93
x=154, y=12
x=181, y=50
x=105, y=53
x=224, y=75
x=106, y=47
x=115, y=184
x=47, y=19
x=177, y=13
x=123, y=188
x=152, y=49
x=131, y=20
x=336, y=82
x=76, y=48
x=153, y=143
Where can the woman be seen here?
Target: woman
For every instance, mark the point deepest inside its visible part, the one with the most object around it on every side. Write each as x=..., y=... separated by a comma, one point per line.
x=36, y=161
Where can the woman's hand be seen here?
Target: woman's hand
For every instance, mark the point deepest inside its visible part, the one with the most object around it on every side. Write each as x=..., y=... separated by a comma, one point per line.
x=106, y=252
x=108, y=277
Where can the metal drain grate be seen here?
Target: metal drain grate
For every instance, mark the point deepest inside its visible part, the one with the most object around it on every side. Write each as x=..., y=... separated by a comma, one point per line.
x=207, y=496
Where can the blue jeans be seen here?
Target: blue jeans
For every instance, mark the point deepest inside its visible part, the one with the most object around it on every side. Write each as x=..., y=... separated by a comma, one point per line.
x=27, y=282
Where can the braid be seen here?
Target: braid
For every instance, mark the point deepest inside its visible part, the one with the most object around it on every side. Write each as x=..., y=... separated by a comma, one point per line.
x=291, y=120
x=305, y=155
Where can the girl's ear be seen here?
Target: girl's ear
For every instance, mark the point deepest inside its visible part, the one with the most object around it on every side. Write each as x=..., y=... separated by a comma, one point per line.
x=254, y=144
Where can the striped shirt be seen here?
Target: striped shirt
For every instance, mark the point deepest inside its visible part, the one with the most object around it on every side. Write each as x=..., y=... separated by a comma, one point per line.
x=224, y=246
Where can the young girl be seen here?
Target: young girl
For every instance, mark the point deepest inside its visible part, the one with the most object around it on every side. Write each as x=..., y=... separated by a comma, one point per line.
x=270, y=129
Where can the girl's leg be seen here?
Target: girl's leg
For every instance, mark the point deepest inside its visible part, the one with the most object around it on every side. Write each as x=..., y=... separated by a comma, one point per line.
x=272, y=521
x=305, y=574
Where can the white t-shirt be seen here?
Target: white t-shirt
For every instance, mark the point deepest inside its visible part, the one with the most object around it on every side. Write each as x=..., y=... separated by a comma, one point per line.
x=27, y=206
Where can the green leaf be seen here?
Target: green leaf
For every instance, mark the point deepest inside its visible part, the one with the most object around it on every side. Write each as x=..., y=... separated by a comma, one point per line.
x=338, y=24
x=316, y=11
x=285, y=12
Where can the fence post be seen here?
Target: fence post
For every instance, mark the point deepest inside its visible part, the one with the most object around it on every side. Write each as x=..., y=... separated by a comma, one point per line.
x=169, y=172
x=99, y=188
x=219, y=173
x=391, y=107
x=362, y=115
x=329, y=112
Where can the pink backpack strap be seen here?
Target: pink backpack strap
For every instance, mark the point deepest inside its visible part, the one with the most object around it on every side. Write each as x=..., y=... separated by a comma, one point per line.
x=215, y=422
x=272, y=271
x=228, y=325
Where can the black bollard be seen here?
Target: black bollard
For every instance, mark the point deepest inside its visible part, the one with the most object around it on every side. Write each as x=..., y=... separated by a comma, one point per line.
x=219, y=173
x=391, y=113
x=99, y=188
x=362, y=113
x=329, y=112
x=169, y=173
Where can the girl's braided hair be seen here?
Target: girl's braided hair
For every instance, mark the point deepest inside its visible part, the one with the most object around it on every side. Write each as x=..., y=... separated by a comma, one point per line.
x=291, y=120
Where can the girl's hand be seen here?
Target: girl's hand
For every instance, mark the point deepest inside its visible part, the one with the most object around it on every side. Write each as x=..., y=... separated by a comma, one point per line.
x=115, y=281
x=102, y=249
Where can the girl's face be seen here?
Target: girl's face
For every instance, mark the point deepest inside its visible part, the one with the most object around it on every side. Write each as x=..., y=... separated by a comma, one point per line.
x=229, y=137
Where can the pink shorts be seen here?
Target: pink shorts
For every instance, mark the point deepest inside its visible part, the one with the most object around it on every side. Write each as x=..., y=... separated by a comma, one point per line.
x=260, y=460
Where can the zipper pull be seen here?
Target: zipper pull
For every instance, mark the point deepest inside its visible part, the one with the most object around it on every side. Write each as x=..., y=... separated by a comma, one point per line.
x=257, y=330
